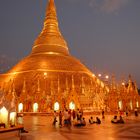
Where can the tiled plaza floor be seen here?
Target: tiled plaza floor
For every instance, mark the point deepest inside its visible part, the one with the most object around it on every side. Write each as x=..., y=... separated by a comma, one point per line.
x=40, y=128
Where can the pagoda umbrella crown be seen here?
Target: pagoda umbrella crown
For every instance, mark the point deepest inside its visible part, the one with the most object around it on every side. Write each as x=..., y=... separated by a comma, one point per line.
x=50, y=39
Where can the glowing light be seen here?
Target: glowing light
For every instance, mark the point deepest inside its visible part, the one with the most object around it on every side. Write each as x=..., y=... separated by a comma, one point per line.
x=131, y=105
x=35, y=107
x=20, y=107
x=4, y=116
x=98, y=81
x=120, y=104
x=13, y=118
x=99, y=75
x=107, y=89
x=107, y=77
x=45, y=73
x=102, y=84
x=72, y=105
x=123, y=83
x=56, y=106
x=137, y=104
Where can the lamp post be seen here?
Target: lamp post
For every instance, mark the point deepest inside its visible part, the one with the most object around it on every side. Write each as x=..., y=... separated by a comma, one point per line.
x=99, y=75
x=107, y=77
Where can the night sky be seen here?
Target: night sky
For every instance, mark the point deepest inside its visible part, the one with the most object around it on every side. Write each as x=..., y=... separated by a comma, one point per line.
x=103, y=34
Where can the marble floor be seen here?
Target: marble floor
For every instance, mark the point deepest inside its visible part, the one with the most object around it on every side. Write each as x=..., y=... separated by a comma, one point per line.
x=40, y=128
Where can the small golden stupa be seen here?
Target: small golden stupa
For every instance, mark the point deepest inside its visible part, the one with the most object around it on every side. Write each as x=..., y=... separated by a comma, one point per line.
x=50, y=78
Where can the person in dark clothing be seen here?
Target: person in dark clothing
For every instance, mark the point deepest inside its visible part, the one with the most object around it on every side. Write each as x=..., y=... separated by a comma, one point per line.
x=120, y=120
x=55, y=120
x=83, y=122
x=98, y=121
x=91, y=121
x=60, y=118
x=103, y=114
x=114, y=120
x=136, y=112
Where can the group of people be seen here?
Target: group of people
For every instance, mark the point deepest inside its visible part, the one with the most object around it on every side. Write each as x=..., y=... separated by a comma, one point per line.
x=116, y=120
x=91, y=121
x=127, y=112
x=76, y=118
x=68, y=116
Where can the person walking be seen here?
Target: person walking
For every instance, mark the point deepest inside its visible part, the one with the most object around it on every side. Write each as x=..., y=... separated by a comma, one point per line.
x=136, y=112
x=54, y=120
x=103, y=114
x=60, y=118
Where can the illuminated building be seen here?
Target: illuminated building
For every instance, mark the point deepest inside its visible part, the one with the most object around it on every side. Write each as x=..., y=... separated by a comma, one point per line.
x=123, y=96
x=50, y=78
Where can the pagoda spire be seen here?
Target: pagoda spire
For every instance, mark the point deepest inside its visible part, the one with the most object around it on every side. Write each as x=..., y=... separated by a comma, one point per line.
x=73, y=86
x=58, y=85
x=50, y=39
x=24, y=86
x=51, y=22
x=10, y=87
x=13, y=86
x=52, y=87
x=67, y=84
x=83, y=85
x=113, y=83
x=38, y=85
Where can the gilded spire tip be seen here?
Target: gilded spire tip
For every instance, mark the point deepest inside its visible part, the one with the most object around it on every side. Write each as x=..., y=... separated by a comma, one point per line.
x=50, y=39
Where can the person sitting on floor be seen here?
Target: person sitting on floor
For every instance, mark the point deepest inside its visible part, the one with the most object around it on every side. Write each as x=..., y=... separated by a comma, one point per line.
x=83, y=122
x=80, y=122
x=114, y=120
x=98, y=121
x=91, y=121
x=77, y=122
x=120, y=120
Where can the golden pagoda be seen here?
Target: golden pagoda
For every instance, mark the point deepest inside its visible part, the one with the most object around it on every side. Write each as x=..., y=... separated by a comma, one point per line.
x=49, y=78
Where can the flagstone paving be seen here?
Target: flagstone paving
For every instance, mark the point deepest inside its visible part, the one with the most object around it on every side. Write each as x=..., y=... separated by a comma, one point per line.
x=40, y=128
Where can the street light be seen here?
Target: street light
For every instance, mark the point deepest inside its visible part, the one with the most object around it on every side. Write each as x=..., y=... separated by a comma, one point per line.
x=107, y=77
x=123, y=83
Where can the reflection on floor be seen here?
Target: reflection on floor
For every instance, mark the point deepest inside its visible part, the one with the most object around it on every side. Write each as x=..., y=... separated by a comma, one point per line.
x=40, y=128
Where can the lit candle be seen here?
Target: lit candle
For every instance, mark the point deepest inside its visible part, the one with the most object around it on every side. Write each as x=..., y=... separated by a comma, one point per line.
x=4, y=116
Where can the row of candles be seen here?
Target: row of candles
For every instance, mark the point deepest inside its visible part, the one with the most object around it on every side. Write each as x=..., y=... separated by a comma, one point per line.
x=7, y=118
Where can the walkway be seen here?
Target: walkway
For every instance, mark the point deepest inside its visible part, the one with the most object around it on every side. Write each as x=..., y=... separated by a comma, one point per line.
x=40, y=128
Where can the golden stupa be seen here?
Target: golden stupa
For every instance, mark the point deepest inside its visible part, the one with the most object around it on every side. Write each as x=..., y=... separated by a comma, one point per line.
x=50, y=78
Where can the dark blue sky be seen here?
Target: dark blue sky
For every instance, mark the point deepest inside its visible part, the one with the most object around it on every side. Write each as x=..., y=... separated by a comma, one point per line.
x=103, y=34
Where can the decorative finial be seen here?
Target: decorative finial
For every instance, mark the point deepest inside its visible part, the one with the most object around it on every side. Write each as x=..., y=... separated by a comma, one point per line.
x=50, y=39
x=24, y=86
x=73, y=86
x=58, y=85
x=51, y=23
x=38, y=85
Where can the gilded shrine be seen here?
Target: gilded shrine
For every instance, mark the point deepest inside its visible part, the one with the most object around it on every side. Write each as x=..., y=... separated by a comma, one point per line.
x=50, y=78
